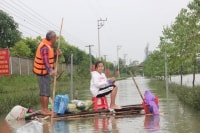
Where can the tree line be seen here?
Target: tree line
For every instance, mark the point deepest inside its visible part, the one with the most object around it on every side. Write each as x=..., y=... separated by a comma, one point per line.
x=11, y=37
x=181, y=42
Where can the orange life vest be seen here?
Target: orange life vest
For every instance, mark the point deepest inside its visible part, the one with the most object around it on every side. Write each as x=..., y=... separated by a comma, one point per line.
x=38, y=66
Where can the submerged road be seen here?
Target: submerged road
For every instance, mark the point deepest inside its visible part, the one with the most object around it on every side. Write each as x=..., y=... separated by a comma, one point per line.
x=177, y=117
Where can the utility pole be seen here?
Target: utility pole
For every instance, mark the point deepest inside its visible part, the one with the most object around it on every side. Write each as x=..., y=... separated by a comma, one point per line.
x=125, y=62
x=90, y=55
x=115, y=66
x=125, y=59
x=72, y=84
x=105, y=62
x=100, y=24
x=166, y=75
x=146, y=50
x=118, y=48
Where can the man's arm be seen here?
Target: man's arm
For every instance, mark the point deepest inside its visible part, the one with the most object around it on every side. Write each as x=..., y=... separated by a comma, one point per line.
x=45, y=54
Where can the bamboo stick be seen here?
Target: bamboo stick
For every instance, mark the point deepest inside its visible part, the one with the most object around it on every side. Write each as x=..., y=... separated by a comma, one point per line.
x=56, y=68
x=137, y=86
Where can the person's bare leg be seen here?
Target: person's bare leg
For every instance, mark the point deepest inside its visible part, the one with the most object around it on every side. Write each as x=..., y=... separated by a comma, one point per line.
x=44, y=102
x=113, y=96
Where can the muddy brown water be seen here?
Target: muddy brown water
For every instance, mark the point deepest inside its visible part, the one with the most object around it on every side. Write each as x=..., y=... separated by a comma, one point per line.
x=176, y=117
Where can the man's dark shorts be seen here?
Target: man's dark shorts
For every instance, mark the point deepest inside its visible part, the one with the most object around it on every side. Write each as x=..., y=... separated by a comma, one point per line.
x=44, y=85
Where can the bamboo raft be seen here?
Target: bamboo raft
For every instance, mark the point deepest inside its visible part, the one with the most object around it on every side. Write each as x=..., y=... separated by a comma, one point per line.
x=127, y=110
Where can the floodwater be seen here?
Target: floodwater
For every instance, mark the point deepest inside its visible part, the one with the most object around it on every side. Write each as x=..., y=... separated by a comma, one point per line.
x=187, y=79
x=176, y=117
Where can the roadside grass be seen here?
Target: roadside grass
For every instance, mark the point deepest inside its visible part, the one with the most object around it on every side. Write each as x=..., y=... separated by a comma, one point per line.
x=188, y=95
x=24, y=91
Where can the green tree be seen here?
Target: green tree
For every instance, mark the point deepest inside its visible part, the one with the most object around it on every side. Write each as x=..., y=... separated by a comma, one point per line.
x=154, y=64
x=181, y=42
x=9, y=33
x=194, y=36
x=21, y=49
x=136, y=67
x=32, y=43
x=175, y=42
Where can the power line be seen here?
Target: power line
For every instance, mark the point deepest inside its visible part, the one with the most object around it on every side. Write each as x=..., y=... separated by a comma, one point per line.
x=73, y=38
x=24, y=25
x=24, y=15
x=31, y=20
x=30, y=29
x=19, y=17
x=41, y=18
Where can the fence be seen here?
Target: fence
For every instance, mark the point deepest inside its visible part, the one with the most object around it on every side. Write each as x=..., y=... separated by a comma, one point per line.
x=24, y=66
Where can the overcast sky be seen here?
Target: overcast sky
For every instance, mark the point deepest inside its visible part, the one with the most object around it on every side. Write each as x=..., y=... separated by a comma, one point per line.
x=130, y=23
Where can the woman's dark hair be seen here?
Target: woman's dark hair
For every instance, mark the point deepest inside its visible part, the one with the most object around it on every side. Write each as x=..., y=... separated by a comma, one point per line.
x=97, y=63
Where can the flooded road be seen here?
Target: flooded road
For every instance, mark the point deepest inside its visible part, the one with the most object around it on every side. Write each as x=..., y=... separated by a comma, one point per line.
x=176, y=117
x=187, y=79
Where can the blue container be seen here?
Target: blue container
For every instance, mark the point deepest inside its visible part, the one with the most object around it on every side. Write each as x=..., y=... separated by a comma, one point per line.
x=61, y=103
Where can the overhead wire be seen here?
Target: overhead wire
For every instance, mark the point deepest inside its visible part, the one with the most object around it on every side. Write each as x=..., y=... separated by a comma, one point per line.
x=73, y=38
x=34, y=22
x=24, y=19
x=20, y=24
x=26, y=16
x=38, y=16
x=97, y=14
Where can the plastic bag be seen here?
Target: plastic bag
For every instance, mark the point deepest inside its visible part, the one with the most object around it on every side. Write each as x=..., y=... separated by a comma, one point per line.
x=61, y=103
x=31, y=127
x=18, y=112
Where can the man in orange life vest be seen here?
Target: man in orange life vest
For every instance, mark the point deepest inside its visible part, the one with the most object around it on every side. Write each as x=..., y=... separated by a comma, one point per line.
x=44, y=67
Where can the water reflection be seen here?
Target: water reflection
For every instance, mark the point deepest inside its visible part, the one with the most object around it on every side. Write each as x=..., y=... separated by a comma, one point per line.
x=93, y=125
x=60, y=127
x=152, y=123
x=104, y=125
x=177, y=118
x=4, y=127
x=11, y=126
x=101, y=125
x=115, y=128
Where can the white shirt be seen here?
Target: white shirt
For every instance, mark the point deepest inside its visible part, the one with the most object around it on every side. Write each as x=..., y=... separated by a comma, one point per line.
x=98, y=80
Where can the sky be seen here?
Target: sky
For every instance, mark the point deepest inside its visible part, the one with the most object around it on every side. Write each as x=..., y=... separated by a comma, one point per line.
x=131, y=24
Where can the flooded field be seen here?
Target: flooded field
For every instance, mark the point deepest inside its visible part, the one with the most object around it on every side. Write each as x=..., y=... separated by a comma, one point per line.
x=187, y=79
x=176, y=117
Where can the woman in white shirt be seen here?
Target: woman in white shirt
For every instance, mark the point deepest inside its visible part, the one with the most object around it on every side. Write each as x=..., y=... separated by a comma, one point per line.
x=100, y=86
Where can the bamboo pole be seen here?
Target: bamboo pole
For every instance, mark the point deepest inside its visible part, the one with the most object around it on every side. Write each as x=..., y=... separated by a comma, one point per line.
x=56, y=69
x=137, y=86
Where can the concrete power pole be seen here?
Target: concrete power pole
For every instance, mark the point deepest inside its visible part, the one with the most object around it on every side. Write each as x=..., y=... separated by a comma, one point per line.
x=146, y=51
x=100, y=24
x=105, y=62
x=90, y=55
x=125, y=59
x=125, y=55
x=71, y=77
x=166, y=75
x=118, y=48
